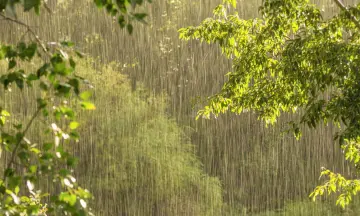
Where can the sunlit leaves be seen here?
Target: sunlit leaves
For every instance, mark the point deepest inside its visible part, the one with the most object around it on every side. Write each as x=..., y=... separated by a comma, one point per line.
x=3, y=115
x=59, y=90
x=85, y=95
x=68, y=198
x=56, y=81
x=290, y=59
x=87, y=105
x=337, y=183
x=232, y=2
x=73, y=125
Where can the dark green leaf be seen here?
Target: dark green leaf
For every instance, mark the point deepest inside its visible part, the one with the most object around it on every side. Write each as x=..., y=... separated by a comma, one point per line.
x=121, y=21
x=72, y=63
x=129, y=28
x=3, y=4
x=140, y=16
x=29, y=4
x=12, y=64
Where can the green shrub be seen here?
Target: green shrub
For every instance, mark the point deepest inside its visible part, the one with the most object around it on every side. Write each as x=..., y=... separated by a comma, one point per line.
x=136, y=160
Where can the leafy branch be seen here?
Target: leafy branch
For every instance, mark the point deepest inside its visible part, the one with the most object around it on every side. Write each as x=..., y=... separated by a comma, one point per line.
x=19, y=140
x=29, y=29
x=315, y=70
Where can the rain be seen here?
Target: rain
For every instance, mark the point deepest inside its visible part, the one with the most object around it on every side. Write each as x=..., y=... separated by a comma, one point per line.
x=142, y=152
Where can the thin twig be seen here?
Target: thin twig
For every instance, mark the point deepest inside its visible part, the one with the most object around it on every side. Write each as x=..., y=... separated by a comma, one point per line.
x=46, y=6
x=29, y=29
x=341, y=5
x=12, y=159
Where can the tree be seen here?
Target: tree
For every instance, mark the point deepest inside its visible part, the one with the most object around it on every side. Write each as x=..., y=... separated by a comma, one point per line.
x=59, y=89
x=292, y=59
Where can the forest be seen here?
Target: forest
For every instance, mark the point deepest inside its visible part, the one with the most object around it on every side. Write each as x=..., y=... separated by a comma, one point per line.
x=179, y=107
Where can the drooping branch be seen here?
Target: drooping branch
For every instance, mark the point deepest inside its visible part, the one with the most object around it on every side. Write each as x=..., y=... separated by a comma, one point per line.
x=341, y=5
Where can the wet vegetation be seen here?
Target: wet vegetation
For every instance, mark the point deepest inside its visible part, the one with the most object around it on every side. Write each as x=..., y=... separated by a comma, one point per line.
x=142, y=152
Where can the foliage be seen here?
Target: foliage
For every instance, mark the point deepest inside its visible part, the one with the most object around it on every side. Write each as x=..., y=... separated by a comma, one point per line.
x=290, y=59
x=321, y=208
x=113, y=8
x=28, y=162
x=140, y=155
x=120, y=9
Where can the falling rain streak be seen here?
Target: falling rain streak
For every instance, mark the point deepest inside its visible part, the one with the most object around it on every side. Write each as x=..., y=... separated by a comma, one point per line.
x=142, y=152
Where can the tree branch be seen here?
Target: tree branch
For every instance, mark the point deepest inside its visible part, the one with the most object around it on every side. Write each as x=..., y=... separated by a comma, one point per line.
x=46, y=6
x=12, y=158
x=341, y=5
x=29, y=29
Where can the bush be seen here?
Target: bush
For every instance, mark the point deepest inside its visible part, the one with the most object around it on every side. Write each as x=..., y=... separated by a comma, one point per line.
x=135, y=159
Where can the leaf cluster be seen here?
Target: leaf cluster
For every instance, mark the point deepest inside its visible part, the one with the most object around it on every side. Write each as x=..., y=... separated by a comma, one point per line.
x=58, y=84
x=120, y=8
x=290, y=59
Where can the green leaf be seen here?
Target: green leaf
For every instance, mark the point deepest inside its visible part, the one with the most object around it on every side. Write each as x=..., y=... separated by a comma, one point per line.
x=75, y=84
x=87, y=105
x=99, y=3
x=63, y=88
x=12, y=64
x=68, y=198
x=33, y=168
x=73, y=125
x=19, y=83
x=48, y=146
x=9, y=172
x=17, y=190
x=67, y=43
x=29, y=4
x=121, y=21
x=15, y=198
x=4, y=113
x=43, y=70
x=3, y=4
x=32, y=77
x=71, y=161
x=140, y=16
x=26, y=52
x=129, y=28
x=85, y=95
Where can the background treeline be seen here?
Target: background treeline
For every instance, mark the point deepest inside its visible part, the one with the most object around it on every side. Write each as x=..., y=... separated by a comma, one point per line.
x=135, y=152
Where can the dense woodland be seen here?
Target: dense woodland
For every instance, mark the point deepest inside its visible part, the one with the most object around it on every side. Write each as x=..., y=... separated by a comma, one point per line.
x=142, y=152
